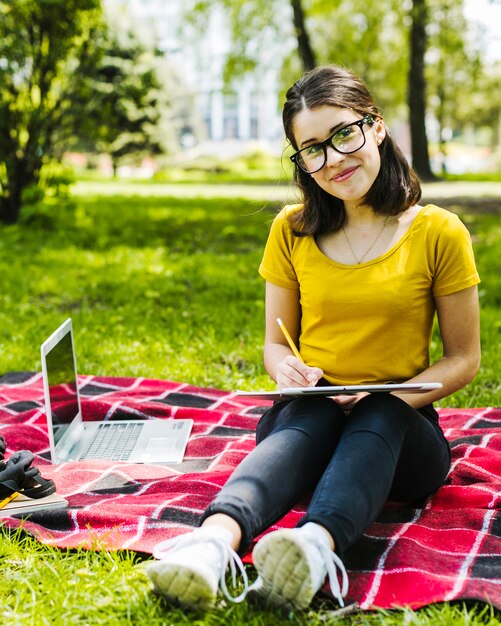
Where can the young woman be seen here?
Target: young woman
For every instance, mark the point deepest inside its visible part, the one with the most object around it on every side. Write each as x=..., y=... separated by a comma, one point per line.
x=357, y=273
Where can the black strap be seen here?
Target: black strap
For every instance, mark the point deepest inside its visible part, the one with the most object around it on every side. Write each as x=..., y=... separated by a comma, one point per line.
x=3, y=447
x=18, y=475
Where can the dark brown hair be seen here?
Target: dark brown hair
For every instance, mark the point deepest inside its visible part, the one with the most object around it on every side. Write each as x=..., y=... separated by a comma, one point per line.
x=396, y=187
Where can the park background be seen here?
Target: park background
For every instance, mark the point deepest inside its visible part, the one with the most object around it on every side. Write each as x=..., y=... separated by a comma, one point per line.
x=141, y=164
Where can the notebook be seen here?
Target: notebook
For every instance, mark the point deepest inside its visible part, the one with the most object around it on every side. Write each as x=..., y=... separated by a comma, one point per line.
x=72, y=439
x=336, y=390
x=21, y=505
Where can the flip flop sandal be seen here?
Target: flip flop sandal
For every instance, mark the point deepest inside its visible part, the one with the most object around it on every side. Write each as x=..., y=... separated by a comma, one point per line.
x=17, y=476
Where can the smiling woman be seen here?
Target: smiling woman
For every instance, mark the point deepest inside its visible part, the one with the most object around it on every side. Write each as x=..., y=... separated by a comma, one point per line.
x=357, y=273
x=349, y=159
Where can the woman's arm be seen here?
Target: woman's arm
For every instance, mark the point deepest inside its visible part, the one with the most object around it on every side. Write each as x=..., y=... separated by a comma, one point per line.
x=458, y=319
x=280, y=363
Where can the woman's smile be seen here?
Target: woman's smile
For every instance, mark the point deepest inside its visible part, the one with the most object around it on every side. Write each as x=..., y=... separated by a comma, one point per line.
x=345, y=174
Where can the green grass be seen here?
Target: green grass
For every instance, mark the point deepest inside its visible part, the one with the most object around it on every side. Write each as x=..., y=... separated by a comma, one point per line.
x=493, y=177
x=43, y=586
x=156, y=286
x=167, y=287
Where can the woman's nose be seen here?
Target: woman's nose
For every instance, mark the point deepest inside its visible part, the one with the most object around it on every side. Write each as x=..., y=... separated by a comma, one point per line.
x=333, y=157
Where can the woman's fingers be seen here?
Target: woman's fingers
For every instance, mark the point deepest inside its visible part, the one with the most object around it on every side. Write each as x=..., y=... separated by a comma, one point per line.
x=348, y=401
x=294, y=373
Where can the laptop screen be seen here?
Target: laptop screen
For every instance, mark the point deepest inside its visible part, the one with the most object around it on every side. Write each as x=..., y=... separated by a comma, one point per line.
x=63, y=393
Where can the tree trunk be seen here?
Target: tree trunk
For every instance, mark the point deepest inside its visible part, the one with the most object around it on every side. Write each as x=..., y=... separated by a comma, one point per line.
x=10, y=202
x=442, y=142
x=305, y=50
x=10, y=208
x=21, y=173
x=416, y=94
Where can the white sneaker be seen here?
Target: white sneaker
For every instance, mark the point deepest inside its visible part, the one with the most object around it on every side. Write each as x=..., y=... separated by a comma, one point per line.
x=192, y=566
x=292, y=564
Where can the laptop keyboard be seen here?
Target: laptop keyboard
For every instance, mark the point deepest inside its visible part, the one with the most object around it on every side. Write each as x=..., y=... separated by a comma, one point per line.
x=113, y=441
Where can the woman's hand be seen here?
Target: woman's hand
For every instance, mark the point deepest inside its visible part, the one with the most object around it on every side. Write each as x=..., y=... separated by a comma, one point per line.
x=349, y=401
x=291, y=372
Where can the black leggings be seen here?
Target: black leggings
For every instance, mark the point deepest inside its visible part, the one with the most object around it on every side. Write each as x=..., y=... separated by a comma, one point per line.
x=382, y=449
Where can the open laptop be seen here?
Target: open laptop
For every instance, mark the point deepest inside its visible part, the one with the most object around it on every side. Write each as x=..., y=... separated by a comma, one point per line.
x=72, y=439
x=337, y=390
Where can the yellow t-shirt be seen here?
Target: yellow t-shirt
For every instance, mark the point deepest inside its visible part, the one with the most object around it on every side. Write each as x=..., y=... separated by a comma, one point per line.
x=372, y=323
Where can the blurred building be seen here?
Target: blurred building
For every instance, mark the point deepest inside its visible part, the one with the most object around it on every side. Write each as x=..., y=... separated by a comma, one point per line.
x=215, y=117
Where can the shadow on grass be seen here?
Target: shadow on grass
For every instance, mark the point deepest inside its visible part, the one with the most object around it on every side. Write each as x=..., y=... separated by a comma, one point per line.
x=179, y=224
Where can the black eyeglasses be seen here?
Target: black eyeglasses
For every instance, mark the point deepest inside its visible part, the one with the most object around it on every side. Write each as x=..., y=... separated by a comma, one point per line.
x=346, y=140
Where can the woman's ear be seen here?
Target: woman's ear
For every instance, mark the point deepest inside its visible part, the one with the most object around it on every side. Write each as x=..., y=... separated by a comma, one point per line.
x=380, y=130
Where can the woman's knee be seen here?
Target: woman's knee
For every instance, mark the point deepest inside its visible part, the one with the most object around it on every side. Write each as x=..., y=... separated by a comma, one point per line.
x=319, y=418
x=381, y=413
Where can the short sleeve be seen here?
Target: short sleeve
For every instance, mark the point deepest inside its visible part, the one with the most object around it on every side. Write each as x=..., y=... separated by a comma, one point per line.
x=455, y=263
x=277, y=265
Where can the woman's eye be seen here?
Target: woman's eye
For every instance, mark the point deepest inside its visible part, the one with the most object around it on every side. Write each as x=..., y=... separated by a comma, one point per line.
x=344, y=133
x=312, y=150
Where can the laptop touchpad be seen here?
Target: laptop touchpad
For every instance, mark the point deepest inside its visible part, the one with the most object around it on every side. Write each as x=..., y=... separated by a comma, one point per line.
x=161, y=443
x=158, y=449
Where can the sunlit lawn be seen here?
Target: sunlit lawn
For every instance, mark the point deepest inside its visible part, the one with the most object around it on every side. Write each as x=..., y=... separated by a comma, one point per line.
x=166, y=287
x=160, y=287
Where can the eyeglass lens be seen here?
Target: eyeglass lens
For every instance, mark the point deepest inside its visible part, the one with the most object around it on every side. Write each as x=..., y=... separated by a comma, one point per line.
x=349, y=139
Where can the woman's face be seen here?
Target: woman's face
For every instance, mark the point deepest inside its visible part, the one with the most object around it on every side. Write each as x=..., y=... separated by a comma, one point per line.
x=345, y=176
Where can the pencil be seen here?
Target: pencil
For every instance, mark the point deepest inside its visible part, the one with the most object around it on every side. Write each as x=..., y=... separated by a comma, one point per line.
x=6, y=500
x=289, y=339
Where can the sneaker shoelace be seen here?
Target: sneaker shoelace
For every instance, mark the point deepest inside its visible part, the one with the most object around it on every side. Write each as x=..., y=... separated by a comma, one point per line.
x=333, y=565
x=227, y=553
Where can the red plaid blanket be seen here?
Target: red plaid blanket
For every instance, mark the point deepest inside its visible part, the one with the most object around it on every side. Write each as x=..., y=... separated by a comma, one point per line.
x=449, y=549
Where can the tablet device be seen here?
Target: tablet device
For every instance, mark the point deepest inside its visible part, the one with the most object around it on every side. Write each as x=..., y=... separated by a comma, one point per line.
x=337, y=390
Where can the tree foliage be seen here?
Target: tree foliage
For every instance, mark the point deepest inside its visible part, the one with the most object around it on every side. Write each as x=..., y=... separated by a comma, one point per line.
x=365, y=35
x=259, y=32
x=45, y=49
x=119, y=102
x=485, y=108
x=368, y=36
x=451, y=70
x=413, y=54
x=64, y=76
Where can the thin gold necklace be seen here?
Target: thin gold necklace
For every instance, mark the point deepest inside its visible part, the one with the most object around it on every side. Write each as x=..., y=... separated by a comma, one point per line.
x=360, y=259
